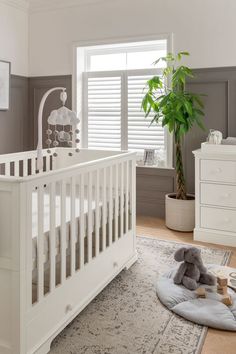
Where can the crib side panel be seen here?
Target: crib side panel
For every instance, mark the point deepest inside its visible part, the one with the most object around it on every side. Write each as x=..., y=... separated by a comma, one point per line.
x=5, y=267
x=80, y=234
x=11, y=274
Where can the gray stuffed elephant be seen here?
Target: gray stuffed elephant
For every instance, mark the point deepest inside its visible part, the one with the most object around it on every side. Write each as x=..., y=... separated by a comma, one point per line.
x=191, y=271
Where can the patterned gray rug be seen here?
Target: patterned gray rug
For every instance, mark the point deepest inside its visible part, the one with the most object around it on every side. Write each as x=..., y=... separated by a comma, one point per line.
x=127, y=318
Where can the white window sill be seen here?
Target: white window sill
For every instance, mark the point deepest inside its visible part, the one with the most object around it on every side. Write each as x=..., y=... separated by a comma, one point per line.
x=156, y=167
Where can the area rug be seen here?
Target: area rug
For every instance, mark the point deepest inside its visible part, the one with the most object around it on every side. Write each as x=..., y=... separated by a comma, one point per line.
x=127, y=317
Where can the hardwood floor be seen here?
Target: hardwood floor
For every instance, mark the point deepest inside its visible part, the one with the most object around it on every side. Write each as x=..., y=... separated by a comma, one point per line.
x=217, y=342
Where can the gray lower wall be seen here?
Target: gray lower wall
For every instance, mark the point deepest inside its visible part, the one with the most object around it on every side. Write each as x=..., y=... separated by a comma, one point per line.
x=219, y=84
x=19, y=126
x=14, y=132
x=152, y=186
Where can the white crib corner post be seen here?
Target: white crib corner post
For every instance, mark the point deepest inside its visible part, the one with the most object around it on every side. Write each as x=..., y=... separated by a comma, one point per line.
x=19, y=266
x=40, y=244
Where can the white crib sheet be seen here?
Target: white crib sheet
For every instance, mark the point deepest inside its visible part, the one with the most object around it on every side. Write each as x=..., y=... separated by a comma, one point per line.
x=46, y=212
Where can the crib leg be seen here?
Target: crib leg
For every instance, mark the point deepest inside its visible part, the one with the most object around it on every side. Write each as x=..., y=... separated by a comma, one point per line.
x=131, y=261
x=45, y=348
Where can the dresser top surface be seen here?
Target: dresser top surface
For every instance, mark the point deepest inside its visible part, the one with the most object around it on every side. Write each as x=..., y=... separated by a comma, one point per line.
x=214, y=151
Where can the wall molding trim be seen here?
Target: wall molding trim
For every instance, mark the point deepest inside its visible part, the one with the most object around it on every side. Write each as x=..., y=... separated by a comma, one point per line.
x=45, y=5
x=18, y=4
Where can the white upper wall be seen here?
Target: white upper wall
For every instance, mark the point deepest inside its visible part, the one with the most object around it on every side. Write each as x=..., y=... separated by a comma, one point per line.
x=14, y=35
x=205, y=28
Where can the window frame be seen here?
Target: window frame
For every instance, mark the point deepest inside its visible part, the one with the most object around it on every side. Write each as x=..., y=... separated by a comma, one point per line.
x=86, y=47
x=117, y=50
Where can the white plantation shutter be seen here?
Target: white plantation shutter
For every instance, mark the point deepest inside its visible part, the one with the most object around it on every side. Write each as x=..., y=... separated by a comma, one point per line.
x=113, y=118
x=103, y=110
x=141, y=135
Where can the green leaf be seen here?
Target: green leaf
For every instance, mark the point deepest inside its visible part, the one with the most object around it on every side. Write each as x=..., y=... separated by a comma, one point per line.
x=198, y=100
x=188, y=107
x=144, y=103
x=180, y=54
x=175, y=107
x=167, y=59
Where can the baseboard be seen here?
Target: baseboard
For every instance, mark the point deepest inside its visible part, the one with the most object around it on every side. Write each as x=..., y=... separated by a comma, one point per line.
x=223, y=238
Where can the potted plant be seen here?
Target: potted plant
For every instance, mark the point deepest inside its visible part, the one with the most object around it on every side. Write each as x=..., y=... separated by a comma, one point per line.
x=173, y=106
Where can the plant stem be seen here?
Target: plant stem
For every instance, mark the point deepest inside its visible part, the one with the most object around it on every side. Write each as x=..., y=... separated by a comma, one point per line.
x=180, y=181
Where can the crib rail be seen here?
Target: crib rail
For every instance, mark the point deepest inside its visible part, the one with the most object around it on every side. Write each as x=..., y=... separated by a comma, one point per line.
x=24, y=164
x=73, y=216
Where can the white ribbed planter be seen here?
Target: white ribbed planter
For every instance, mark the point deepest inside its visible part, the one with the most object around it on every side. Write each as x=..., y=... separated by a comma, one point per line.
x=180, y=214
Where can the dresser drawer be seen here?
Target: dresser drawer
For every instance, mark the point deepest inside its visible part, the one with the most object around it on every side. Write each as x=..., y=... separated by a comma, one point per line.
x=218, y=171
x=218, y=194
x=218, y=219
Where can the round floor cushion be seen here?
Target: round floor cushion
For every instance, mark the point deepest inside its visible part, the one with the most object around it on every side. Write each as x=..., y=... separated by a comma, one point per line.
x=210, y=312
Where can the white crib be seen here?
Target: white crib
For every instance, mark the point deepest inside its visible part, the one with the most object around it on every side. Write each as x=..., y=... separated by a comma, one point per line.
x=65, y=233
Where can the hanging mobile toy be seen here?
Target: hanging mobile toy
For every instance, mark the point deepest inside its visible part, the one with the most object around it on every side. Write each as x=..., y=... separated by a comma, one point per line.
x=62, y=127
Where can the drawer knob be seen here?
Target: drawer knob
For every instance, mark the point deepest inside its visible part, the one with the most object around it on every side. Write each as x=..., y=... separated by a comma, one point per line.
x=68, y=308
x=115, y=264
x=218, y=170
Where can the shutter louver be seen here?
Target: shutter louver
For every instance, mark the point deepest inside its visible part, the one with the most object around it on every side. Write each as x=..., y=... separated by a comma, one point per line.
x=141, y=135
x=104, y=112
x=113, y=116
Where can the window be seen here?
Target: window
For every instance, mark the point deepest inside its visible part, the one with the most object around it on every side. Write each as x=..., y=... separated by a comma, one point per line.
x=113, y=80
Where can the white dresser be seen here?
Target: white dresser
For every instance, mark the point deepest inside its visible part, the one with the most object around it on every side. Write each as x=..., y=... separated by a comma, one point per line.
x=215, y=190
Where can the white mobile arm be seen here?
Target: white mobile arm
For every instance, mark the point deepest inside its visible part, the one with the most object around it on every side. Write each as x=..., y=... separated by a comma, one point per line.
x=40, y=119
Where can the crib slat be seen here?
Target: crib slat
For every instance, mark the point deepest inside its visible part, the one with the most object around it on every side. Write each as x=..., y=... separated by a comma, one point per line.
x=81, y=221
x=122, y=199
x=90, y=221
x=72, y=230
x=33, y=166
x=7, y=169
x=127, y=198
x=110, y=205
x=63, y=231
x=97, y=213
x=52, y=236
x=29, y=249
x=104, y=209
x=25, y=168
x=47, y=163
x=116, y=202
x=16, y=168
x=40, y=248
